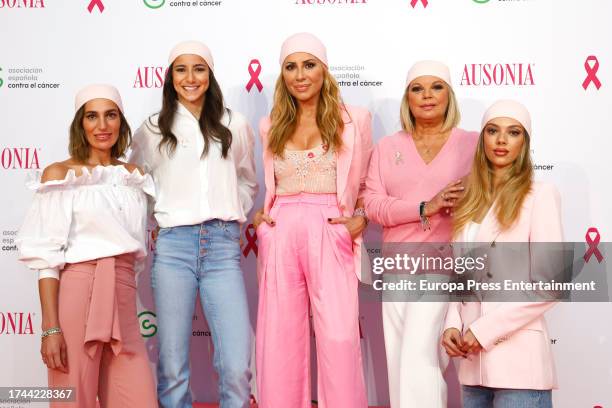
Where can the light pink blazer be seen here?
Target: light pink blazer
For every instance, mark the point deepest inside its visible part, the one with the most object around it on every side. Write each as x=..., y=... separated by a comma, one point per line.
x=352, y=166
x=514, y=337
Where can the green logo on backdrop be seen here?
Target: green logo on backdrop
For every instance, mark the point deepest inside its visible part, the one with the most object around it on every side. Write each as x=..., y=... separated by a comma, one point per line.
x=154, y=4
x=481, y=1
x=1, y=81
x=147, y=329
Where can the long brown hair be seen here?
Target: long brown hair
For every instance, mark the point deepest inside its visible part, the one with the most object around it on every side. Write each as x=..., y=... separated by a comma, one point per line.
x=479, y=194
x=284, y=115
x=78, y=146
x=211, y=127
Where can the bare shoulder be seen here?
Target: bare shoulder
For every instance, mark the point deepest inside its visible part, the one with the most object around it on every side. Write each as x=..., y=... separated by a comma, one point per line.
x=55, y=171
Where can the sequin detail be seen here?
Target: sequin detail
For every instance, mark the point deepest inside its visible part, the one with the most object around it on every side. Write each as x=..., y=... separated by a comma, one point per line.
x=308, y=171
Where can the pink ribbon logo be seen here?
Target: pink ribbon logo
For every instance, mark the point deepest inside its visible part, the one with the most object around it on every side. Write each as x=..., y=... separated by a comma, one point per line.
x=95, y=3
x=591, y=72
x=413, y=3
x=593, y=250
x=251, y=244
x=254, y=75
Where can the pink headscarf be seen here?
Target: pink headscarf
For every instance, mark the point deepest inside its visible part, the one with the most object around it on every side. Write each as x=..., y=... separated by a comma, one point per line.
x=433, y=68
x=97, y=91
x=192, y=47
x=303, y=42
x=507, y=108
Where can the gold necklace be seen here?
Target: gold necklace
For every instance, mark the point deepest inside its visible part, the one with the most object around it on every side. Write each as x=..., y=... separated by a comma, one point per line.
x=422, y=140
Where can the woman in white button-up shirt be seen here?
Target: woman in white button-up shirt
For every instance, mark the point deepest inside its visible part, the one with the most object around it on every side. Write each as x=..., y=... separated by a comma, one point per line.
x=201, y=157
x=83, y=231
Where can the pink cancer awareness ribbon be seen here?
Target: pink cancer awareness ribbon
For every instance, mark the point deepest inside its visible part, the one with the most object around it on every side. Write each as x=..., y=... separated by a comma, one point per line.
x=591, y=72
x=251, y=244
x=413, y=3
x=95, y=3
x=254, y=75
x=593, y=250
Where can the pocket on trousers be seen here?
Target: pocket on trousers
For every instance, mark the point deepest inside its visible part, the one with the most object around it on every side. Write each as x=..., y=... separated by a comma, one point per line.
x=261, y=230
x=231, y=229
x=341, y=237
x=163, y=231
x=345, y=232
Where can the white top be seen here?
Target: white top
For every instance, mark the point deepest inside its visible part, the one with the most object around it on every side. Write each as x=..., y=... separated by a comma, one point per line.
x=98, y=214
x=470, y=232
x=192, y=189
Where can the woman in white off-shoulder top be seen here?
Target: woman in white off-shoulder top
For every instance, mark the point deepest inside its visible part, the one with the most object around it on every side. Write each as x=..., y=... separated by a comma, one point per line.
x=83, y=232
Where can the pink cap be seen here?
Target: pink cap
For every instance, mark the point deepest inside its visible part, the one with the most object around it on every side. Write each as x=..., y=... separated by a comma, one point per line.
x=192, y=47
x=508, y=109
x=433, y=68
x=97, y=91
x=303, y=42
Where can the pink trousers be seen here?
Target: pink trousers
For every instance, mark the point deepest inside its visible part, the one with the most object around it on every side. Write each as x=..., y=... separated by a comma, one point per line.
x=304, y=260
x=107, y=358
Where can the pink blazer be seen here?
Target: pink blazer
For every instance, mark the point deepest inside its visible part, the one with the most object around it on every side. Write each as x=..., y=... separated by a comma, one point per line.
x=514, y=337
x=352, y=166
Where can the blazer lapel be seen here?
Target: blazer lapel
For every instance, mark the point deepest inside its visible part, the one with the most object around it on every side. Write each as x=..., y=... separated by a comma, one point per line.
x=268, y=159
x=489, y=228
x=345, y=155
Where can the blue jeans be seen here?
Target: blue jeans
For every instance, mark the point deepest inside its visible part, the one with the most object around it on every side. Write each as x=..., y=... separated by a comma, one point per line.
x=204, y=257
x=483, y=397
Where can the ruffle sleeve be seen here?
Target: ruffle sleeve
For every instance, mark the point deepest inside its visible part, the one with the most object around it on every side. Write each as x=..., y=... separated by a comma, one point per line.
x=43, y=237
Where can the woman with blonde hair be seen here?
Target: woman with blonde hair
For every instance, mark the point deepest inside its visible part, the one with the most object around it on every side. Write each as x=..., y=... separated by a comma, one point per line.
x=315, y=154
x=507, y=361
x=83, y=233
x=413, y=183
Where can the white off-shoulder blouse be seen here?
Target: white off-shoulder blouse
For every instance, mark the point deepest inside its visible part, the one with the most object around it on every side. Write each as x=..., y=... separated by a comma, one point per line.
x=101, y=213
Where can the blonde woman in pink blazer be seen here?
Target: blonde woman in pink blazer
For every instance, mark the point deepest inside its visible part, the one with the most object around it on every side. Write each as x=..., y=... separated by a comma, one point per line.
x=507, y=361
x=315, y=153
x=412, y=184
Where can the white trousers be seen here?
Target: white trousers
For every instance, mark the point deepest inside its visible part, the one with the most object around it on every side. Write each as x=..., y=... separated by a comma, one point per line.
x=415, y=359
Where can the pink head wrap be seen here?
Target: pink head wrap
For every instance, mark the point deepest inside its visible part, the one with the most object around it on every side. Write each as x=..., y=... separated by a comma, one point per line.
x=508, y=109
x=192, y=47
x=97, y=91
x=303, y=42
x=433, y=68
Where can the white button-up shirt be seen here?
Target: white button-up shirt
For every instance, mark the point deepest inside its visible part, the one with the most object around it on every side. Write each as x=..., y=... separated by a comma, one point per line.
x=191, y=189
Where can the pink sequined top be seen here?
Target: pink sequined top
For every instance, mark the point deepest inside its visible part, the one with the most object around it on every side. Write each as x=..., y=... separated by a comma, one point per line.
x=307, y=171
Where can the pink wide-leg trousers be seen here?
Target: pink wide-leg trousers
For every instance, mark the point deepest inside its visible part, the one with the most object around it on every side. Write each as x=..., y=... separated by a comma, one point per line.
x=304, y=260
x=107, y=358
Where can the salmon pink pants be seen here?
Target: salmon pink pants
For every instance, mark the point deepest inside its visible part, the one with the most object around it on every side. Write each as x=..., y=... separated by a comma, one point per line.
x=107, y=358
x=306, y=261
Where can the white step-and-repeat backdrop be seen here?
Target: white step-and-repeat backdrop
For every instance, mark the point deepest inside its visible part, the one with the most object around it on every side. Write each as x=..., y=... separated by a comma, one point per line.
x=553, y=55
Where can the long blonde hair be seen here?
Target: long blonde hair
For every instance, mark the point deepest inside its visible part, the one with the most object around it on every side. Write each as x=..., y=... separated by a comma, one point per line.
x=479, y=194
x=284, y=115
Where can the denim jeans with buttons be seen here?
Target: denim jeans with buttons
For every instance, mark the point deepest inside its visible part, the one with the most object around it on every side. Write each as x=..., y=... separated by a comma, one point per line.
x=204, y=257
x=484, y=397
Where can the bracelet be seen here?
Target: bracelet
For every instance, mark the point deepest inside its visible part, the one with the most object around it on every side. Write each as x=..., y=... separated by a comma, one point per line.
x=424, y=220
x=48, y=332
x=360, y=211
